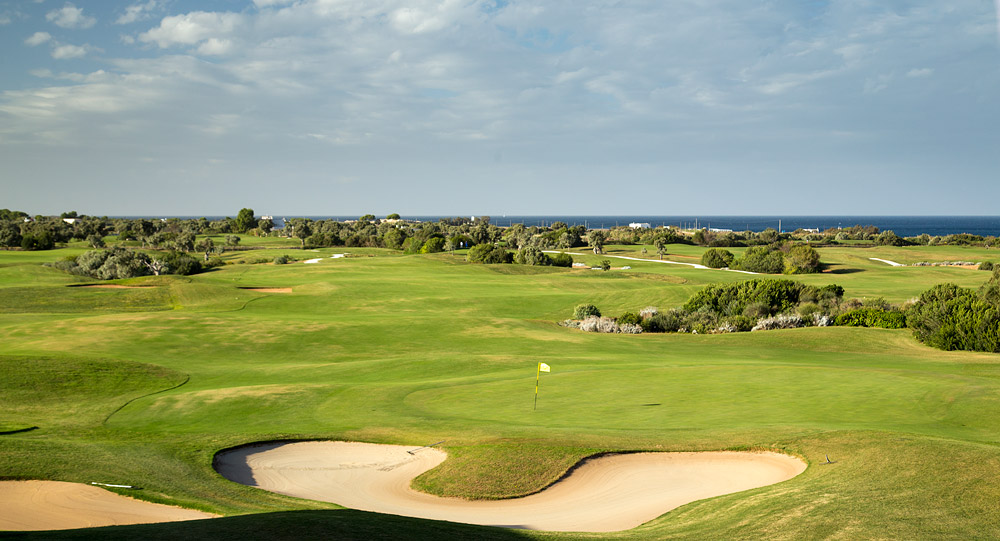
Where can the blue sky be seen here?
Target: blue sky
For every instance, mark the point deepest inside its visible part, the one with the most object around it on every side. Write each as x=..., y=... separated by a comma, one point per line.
x=487, y=107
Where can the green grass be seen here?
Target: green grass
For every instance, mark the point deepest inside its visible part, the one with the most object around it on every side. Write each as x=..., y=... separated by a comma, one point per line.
x=418, y=349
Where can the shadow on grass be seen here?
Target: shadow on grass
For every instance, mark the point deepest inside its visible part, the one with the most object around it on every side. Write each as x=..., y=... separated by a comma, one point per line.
x=337, y=524
x=845, y=271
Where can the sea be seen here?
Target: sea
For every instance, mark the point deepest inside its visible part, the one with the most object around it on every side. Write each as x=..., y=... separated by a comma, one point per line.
x=904, y=226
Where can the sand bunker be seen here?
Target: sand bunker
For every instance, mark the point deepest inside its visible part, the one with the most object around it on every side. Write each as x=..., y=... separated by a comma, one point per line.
x=269, y=289
x=609, y=493
x=55, y=505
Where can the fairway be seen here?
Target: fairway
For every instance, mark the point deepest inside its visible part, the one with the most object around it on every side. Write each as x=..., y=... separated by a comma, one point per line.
x=145, y=385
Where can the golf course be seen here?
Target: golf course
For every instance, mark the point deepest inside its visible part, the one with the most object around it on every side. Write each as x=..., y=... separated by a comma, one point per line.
x=149, y=384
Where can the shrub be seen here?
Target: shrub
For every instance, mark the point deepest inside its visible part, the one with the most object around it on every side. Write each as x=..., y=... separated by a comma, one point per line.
x=802, y=259
x=584, y=311
x=531, y=255
x=761, y=259
x=671, y=321
x=769, y=296
x=281, y=260
x=561, y=260
x=217, y=262
x=181, y=263
x=648, y=311
x=986, y=266
x=630, y=328
x=599, y=324
x=717, y=258
x=433, y=246
x=489, y=254
x=778, y=322
x=872, y=317
x=605, y=265
x=629, y=318
x=952, y=318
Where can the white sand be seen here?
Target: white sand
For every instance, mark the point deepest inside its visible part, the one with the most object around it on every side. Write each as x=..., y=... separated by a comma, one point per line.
x=55, y=505
x=311, y=261
x=610, y=493
x=886, y=261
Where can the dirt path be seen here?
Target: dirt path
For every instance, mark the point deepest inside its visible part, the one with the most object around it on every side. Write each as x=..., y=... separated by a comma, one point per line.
x=695, y=265
x=610, y=493
x=55, y=505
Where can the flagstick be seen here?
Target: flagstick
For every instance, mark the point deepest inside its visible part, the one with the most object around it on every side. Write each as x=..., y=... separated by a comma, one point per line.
x=537, y=376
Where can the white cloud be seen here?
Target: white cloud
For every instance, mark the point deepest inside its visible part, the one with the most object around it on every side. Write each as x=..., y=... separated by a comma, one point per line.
x=38, y=38
x=191, y=28
x=137, y=12
x=920, y=72
x=4, y=20
x=70, y=16
x=215, y=47
x=65, y=52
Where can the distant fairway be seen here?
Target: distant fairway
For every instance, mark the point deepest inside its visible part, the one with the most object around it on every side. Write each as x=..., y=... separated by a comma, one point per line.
x=144, y=386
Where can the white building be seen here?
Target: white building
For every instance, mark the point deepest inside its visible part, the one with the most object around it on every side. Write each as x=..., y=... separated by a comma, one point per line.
x=639, y=225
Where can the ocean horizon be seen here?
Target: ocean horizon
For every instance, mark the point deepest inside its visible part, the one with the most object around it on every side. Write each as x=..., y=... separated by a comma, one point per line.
x=905, y=226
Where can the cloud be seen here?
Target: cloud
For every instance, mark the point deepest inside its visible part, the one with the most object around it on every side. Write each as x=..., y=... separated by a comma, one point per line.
x=65, y=52
x=137, y=12
x=5, y=20
x=70, y=16
x=921, y=72
x=686, y=90
x=38, y=38
x=191, y=28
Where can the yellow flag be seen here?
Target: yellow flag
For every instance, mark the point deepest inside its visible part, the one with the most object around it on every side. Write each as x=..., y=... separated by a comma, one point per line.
x=542, y=367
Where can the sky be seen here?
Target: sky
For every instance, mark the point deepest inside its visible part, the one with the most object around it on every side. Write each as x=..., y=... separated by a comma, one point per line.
x=473, y=107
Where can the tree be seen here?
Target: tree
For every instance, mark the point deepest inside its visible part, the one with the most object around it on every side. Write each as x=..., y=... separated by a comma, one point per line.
x=302, y=230
x=366, y=218
x=244, y=221
x=207, y=246
x=95, y=241
x=596, y=239
x=232, y=240
x=393, y=216
x=605, y=265
x=432, y=246
x=265, y=225
x=394, y=238
x=661, y=246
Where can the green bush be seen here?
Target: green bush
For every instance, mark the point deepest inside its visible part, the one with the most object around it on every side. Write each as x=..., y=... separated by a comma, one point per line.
x=872, y=317
x=583, y=311
x=605, y=265
x=986, y=266
x=531, y=255
x=562, y=260
x=802, y=259
x=761, y=259
x=433, y=246
x=952, y=318
x=767, y=295
x=629, y=318
x=281, y=260
x=717, y=258
x=670, y=321
x=181, y=263
x=490, y=254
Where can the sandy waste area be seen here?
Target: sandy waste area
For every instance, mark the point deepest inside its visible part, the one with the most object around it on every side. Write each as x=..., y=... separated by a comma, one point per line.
x=610, y=493
x=55, y=505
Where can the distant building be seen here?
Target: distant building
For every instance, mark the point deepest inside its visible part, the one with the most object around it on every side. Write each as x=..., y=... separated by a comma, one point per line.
x=639, y=225
x=70, y=221
x=717, y=230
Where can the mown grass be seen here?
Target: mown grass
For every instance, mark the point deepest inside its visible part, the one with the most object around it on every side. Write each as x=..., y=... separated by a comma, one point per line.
x=419, y=349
